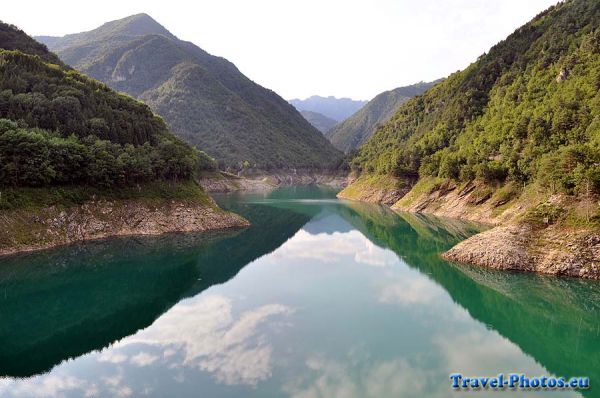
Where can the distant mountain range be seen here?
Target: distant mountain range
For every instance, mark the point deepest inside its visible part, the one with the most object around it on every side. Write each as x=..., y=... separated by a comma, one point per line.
x=337, y=109
x=205, y=99
x=352, y=132
x=320, y=121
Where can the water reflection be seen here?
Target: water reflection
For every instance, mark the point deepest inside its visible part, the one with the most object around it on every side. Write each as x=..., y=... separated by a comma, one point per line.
x=319, y=298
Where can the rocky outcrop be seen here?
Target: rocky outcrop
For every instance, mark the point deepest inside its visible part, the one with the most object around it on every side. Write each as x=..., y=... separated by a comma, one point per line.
x=520, y=247
x=472, y=201
x=513, y=244
x=27, y=230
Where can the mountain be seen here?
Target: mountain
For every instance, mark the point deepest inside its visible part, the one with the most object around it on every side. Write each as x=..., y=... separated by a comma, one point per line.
x=318, y=120
x=334, y=108
x=205, y=99
x=351, y=133
x=58, y=126
x=79, y=161
x=513, y=138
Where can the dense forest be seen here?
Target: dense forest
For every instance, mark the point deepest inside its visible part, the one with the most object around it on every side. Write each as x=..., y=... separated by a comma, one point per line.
x=204, y=99
x=58, y=126
x=527, y=111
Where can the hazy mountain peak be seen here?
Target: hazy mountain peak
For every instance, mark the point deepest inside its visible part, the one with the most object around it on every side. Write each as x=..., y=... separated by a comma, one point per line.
x=332, y=107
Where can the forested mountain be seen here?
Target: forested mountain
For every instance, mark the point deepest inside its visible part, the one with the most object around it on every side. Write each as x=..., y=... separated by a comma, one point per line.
x=205, y=99
x=526, y=112
x=58, y=126
x=335, y=108
x=318, y=120
x=352, y=132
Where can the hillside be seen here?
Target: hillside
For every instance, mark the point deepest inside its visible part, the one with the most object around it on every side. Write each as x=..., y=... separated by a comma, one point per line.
x=513, y=138
x=334, y=108
x=318, y=120
x=352, y=132
x=80, y=161
x=205, y=99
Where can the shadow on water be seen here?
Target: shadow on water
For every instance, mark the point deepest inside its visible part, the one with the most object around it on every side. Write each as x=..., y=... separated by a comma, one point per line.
x=554, y=320
x=62, y=303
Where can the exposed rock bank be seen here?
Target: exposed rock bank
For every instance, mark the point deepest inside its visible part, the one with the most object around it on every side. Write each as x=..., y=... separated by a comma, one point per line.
x=27, y=230
x=520, y=247
x=224, y=182
x=513, y=244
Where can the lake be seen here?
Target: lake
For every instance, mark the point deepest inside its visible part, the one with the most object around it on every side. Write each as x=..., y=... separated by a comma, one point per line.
x=319, y=298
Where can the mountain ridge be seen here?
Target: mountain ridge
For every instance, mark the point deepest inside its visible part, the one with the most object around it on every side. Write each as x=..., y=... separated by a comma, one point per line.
x=335, y=108
x=204, y=98
x=320, y=121
x=352, y=132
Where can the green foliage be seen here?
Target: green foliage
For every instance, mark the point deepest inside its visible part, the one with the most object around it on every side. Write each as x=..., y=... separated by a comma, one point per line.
x=528, y=111
x=42, y=95
x=59, y=127
x=35, y=157
x=12, y=38
x=70, y=195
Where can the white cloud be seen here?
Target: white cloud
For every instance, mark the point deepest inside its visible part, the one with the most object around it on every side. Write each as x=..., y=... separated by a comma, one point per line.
x=359, y=378
x=410, y=289
x=208, y=337
x=143, y=359
x=335, y=248
x=46, y=386
x=113, y=357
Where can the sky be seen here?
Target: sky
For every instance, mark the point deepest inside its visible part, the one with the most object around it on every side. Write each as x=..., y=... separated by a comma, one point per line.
x=299, y=48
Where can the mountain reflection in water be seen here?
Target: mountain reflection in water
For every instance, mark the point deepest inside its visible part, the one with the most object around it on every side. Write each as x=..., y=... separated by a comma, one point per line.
x=318, y=298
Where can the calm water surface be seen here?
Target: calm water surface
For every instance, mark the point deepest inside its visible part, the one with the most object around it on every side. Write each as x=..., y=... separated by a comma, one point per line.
x=319, y=298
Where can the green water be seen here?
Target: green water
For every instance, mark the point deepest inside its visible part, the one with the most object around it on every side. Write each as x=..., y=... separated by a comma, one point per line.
x=319, y=298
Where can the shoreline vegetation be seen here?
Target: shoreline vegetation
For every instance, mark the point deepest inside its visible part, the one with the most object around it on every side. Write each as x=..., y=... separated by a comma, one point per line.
x=513, y=140
x=79, y=161
x=40, y=218
x=531, y=230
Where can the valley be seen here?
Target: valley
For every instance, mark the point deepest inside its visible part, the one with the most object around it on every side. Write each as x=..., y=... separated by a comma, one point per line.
x=299, y=199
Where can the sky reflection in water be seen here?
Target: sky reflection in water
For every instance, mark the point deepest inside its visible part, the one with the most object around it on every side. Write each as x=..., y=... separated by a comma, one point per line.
x=319, y=298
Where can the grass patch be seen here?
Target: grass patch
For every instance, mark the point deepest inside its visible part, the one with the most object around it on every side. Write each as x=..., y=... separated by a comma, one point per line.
x=424, y=186
x=544, y=214
x=372, y=182
x=505, y=194
x=67, y=196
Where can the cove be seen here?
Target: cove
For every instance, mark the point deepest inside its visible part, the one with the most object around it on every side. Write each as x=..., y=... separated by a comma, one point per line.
x=318, y=298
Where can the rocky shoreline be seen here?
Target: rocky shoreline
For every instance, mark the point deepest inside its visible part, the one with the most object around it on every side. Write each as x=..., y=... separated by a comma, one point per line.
x=512, y=244
x=224, y=182
x=520, y=247
x=26, y=230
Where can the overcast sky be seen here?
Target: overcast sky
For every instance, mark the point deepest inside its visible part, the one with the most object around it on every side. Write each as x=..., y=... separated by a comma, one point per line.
x=345, y=48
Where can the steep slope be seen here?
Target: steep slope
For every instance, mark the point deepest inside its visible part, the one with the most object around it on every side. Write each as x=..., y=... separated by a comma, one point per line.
x=514, y=138
x=11, y=38
x=318, y=120
x=351, y=133
x=204, y=99
x=335, y=108
x=80, y=161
